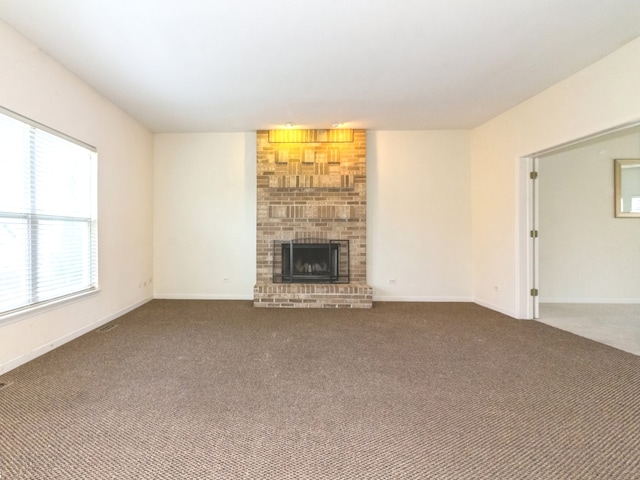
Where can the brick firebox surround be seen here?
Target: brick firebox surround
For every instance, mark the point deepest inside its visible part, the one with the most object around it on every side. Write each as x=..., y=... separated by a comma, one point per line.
x=312, y=190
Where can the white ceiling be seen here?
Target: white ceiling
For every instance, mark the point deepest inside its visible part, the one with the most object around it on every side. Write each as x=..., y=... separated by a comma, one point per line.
x=242, y=65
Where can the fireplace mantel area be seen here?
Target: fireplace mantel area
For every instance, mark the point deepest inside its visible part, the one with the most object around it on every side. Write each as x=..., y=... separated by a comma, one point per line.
x=311, y=191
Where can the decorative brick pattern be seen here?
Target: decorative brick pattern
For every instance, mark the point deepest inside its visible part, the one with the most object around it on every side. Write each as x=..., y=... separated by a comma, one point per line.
x=311, y=190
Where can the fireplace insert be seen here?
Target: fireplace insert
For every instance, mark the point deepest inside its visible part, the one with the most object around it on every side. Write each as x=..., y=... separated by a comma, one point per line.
x=311, y=261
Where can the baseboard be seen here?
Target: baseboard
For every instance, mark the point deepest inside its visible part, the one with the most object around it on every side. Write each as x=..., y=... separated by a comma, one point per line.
x=21, y=360
x=590, y=300
x=496, y=308
x=394, y=298
x=201, y=296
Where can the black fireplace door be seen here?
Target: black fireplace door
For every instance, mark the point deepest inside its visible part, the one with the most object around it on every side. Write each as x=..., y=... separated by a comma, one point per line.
x=310, y=262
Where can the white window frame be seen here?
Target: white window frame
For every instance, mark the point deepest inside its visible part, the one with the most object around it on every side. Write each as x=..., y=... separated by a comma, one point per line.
x=34, y=297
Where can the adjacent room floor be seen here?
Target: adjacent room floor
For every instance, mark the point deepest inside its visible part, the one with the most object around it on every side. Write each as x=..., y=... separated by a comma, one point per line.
x=617, y=325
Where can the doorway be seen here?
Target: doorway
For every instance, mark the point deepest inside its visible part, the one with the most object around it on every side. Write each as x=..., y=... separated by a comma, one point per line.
x=580, y=256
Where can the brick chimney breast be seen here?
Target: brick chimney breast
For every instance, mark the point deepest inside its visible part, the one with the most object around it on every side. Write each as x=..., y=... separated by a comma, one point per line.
x=312, y=190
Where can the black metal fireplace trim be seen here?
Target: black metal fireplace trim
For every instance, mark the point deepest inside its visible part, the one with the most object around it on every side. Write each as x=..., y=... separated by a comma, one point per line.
x=337, y=254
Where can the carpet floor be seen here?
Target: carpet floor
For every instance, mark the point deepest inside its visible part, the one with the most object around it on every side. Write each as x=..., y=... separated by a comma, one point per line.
x=222, y=390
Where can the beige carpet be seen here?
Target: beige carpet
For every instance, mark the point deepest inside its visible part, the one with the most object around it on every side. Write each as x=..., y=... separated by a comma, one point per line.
x=221, y=390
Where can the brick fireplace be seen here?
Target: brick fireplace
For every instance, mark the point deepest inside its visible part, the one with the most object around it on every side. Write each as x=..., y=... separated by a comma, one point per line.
x=311, y=188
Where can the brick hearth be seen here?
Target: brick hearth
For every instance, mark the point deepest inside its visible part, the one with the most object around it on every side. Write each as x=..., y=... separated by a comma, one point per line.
x=312, y=190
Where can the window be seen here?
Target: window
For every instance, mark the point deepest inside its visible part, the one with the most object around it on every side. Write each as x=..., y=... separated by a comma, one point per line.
x=48, y=221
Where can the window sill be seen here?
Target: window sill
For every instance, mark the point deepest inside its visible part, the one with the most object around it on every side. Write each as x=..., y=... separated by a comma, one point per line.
x=18, y=315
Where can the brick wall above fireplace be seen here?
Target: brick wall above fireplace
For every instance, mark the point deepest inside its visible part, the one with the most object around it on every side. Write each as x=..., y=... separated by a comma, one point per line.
x=312, y=190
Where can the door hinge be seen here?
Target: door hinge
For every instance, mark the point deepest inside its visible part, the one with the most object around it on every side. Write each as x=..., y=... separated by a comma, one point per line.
x=534, y=292
x=533, y=175
x=533, y=233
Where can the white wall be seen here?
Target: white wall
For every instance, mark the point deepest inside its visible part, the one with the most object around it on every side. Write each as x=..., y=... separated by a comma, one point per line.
x=587, y=255
x=205, y=215
x=419, y=215
x=35, y=86
x=599, y=97
x=418, y=204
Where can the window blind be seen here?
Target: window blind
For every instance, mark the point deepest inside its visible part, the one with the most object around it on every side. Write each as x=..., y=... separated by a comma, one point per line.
x=48, y=221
